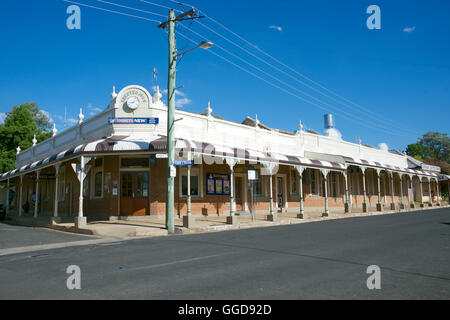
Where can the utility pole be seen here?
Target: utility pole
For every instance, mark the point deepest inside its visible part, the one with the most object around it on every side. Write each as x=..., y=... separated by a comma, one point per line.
x=170, y=205
x=171, y=169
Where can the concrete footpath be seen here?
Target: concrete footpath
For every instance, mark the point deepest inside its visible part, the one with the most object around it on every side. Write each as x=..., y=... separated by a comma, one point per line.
x=154, y=226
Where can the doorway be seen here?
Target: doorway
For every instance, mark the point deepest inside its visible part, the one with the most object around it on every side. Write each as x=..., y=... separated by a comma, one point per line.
x=239, y=199
x=280, y=193
x=134, y=194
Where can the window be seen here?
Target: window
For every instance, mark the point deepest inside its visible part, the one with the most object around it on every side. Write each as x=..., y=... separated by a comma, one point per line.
x=98, y=184
x=97, y=178
x=134, y=163
x=313, y=181
x=294, y=182
x=195, y=182
x=258, y=185
x=194, y=185
x=334, y=184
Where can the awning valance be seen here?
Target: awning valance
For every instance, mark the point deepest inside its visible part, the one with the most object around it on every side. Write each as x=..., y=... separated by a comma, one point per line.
x=158, y=144
x=377, y=165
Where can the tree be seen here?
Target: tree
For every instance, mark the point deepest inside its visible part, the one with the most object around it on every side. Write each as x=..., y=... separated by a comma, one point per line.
x=418, y=151
x=19, y=128
x=433, y=145
x=437, y=144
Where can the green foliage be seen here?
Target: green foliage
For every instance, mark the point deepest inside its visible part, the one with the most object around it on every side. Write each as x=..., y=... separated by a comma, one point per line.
x=19, y=128
x=432, y=145
x=418, y=151
x=434, y=149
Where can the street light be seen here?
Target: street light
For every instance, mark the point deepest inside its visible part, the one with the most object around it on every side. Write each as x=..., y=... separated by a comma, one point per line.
x=171, y=170
x=205, y=45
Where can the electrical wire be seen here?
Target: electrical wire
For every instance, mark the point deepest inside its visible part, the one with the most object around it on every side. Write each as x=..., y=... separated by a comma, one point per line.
x=111, y=11
x=286, y=84
x=373, y=115
x=283, y=89
x=221, y=57
x=387, y=129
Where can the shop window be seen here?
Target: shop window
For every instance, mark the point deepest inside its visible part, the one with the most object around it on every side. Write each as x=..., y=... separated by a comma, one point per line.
x=313, y=181
x=258, y=185
x=98, y=186
x=334, y=185
x=97, y=178
x=195, y=182
x=294, y=182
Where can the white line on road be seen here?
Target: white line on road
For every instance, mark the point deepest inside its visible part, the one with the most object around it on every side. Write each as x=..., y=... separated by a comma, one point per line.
x=4, y=252
x=179, y=261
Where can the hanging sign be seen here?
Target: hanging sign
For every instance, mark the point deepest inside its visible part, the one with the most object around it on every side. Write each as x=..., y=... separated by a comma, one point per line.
x=218, y=184
x=133, y=120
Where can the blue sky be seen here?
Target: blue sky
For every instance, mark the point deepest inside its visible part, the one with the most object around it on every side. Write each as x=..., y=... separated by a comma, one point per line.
x=399, y=75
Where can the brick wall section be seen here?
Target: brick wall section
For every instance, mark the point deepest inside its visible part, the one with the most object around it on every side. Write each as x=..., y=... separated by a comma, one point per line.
x=207, y=205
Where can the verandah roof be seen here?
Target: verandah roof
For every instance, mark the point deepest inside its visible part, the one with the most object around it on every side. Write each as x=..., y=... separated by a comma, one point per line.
x=158, y=144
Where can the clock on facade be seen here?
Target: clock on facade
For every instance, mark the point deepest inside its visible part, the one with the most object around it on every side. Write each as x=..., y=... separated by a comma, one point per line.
x=133, y=102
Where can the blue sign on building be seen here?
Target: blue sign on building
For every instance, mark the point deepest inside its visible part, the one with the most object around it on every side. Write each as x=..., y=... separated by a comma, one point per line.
x=133, y=120
x=183, y=163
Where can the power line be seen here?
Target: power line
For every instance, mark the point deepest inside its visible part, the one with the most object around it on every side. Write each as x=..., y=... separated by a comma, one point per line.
x=268, y=74
x=158, y=5
x=281, y=88
x=223, y=58
x=286, y=84
x=111, y=11
x=131, y=8
x=374, y=115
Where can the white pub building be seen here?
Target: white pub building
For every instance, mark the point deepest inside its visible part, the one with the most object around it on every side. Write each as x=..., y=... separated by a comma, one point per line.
x=114, y=165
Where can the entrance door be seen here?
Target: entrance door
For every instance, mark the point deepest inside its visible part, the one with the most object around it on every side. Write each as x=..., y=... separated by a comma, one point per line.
x=134, y=194
x=238, y=194
x=280, y=189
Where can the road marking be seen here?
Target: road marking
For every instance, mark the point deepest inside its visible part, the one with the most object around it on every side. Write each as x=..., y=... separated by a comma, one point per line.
x=179, y=261
x=4, y=252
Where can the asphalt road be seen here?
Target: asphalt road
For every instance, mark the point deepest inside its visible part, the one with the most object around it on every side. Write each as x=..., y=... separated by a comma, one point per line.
x=323, y=260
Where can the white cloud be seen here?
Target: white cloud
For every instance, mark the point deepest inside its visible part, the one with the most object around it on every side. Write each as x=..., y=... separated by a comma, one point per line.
x=2, y=117
x=47, y=114
x=181, y=103
x=276, y=28
x=72, y=121
x=409, y=29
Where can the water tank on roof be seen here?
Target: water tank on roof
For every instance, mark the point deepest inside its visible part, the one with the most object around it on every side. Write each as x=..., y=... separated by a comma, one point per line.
x=330, y=128
x=329, y=121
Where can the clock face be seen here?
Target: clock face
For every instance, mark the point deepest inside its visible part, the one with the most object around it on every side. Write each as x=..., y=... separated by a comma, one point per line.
x=133, y=103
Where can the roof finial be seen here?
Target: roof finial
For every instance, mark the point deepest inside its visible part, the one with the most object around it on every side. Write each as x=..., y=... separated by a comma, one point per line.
x=54, y=129
x=114, y=94
x=34, y=140
x=80, y=116
x=256, y=121
x=209, y=110
x=157, y=96
x=300, y=126
x=18, y=149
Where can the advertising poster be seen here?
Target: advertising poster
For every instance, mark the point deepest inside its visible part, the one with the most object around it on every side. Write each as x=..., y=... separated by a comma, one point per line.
x=218, y=184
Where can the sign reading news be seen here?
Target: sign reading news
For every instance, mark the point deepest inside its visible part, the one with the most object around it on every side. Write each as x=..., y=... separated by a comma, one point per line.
x=133, y=120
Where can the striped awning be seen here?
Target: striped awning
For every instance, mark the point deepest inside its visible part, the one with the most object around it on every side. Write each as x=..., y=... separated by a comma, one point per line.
x=158, y=144
x=373, y=164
